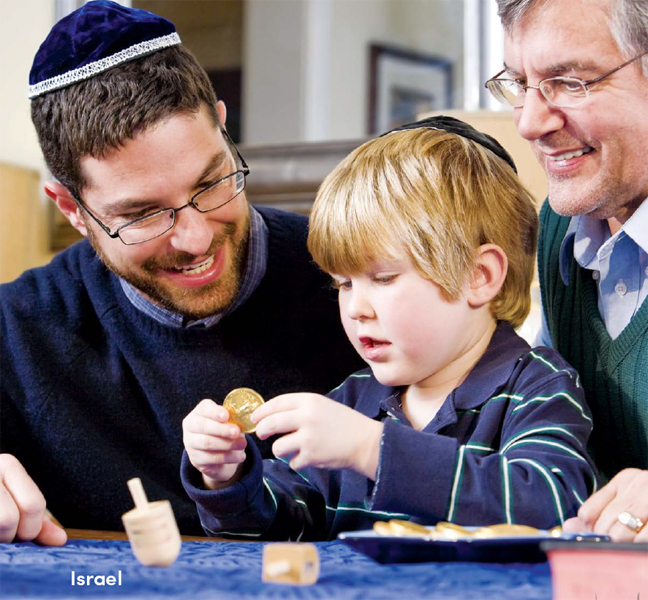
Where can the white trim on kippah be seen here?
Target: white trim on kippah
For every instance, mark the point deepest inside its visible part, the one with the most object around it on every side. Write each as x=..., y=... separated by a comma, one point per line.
x=94, y=68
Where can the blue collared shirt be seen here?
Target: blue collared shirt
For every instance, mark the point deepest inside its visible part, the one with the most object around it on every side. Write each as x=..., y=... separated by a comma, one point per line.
x=254, y=271
x=619, y=264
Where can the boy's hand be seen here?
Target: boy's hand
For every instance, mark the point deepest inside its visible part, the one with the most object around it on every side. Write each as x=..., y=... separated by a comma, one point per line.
x=215, y=447
x=321, y=433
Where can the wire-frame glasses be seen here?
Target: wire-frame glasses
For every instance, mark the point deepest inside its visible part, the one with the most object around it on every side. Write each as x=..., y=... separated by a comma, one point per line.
x=155, y=224
x=563, y=91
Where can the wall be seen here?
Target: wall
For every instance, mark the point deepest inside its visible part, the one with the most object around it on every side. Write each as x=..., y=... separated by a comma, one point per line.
x=23, y=26
x=23, y=227
x=206, y=24
x=306, y=61
x=272, y=76
x=19, y=232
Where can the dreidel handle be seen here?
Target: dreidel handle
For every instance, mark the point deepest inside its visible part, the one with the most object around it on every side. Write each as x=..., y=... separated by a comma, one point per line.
x=137, y=492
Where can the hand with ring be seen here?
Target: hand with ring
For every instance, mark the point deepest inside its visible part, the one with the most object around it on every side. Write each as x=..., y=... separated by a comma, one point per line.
x=629, y=520
x=619, y=509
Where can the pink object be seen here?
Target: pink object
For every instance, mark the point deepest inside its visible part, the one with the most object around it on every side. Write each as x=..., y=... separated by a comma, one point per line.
x=598, y=571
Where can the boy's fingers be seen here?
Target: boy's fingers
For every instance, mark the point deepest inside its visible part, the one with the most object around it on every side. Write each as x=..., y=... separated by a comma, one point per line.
x=204, y=460
x=235, y=457
x=273, y=406
x=277, y=423
x=207, y=428
x=212, y=443
x=285, y=446
x=208, y=408
x=210, y=421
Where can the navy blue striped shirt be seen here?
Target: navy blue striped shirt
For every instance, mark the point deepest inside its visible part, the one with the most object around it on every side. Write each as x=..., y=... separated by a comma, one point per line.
x=507, y=446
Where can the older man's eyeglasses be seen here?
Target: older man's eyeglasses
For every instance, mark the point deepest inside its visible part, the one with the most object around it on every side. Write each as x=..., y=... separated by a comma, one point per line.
x=155, y=224
x=563, y=92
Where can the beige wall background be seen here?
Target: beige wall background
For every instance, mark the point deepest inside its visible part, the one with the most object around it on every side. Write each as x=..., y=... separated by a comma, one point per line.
x=23, y=26
x=23, y=218
x=306, y=62
x=23, y=234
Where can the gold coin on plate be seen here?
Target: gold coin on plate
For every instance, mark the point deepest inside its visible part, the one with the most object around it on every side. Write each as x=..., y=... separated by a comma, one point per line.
x=450, y=530
x=505, y=530
x=382, y=528
x=241, y=403
x=400, y=527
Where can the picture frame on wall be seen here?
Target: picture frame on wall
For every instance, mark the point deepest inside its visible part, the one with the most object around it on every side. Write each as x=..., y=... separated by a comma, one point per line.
x=404, y=84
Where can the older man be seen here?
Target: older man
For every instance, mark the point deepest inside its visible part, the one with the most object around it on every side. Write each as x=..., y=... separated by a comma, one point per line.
x=182, y=290
x=576, y=74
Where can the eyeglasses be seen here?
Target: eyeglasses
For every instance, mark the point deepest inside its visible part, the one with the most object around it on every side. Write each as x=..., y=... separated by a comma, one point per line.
x=151, y=226
x=562, y=92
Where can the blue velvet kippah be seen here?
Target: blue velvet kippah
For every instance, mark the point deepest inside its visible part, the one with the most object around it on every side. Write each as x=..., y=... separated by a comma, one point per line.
x=94, y=38
x=452, y=125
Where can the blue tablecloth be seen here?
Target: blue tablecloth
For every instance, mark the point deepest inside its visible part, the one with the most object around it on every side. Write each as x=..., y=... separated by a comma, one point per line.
x=224, y=570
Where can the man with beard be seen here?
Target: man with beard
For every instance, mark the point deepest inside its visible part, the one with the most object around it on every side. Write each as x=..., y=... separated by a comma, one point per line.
x=182, y=290
x=576, y=74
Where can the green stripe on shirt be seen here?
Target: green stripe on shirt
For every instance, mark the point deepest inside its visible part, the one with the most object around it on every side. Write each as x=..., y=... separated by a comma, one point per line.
x=456, y=483
x=563, y=394
x=551, y=484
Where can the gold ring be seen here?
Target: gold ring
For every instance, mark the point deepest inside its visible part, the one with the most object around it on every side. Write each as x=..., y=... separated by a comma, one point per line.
x=629, y=520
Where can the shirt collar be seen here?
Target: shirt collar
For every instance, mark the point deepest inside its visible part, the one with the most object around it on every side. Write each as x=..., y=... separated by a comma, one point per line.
x=492, y=370
x=636, y=226
x=254, y=271
x=586, y=235
x=484, y=381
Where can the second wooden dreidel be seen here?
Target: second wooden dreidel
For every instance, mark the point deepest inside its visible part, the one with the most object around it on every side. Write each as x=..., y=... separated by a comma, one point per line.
x=294, y=563
x=151, y=529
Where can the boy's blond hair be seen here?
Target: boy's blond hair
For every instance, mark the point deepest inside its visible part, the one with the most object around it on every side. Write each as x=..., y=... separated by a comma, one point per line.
x=438, y=196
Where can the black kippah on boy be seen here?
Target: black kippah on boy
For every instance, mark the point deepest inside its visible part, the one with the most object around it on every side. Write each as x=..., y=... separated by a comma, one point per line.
x=452, y=125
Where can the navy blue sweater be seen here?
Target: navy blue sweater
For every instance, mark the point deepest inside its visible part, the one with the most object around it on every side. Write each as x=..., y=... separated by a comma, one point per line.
x=93, y=392
x=507, y=446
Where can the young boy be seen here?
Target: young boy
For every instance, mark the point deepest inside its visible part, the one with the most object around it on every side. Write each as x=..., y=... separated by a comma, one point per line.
x=430, y=239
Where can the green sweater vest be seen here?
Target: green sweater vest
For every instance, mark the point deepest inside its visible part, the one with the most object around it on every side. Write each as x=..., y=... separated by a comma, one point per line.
x=614, y=373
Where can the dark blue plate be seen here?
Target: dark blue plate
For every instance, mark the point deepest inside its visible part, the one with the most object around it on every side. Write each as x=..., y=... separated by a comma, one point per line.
x=416, y=549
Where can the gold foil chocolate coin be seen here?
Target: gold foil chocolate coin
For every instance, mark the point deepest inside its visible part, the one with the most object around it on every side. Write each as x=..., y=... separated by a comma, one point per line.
x=556, y=531
x=241, y=403
x=382, y=528
x=400, y=527
x=506, y=529
x=450, y=530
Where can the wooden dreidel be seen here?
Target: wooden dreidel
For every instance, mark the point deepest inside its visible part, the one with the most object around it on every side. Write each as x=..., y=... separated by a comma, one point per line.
x=151, y=529
x=294, y=563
